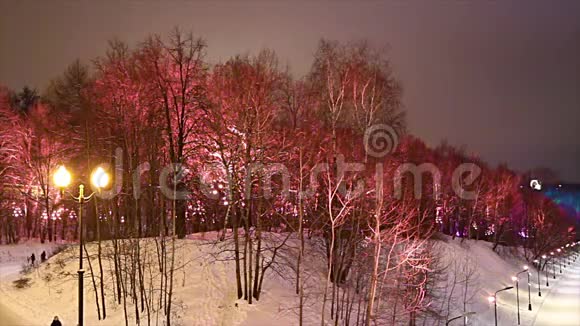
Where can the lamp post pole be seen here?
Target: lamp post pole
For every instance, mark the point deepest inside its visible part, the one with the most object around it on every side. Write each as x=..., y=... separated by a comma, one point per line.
x=494, y=299
x=529, y=292
x=515, y=279
x=81, y=200
x=539, y=261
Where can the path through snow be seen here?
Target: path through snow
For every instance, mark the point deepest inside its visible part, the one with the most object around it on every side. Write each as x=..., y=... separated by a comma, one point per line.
x=562, y=305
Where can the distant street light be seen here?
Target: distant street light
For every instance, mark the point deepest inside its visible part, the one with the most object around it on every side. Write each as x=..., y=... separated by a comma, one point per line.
x=493, y=299
x=539, y=262
x=471, y=313
x=544, y=257
x=560, y=260
x=553, y=266
x=527, y=269
x=62, y=179
x=516, y=279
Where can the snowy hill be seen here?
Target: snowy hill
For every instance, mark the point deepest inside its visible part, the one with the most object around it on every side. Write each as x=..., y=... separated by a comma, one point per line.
x=205, y=292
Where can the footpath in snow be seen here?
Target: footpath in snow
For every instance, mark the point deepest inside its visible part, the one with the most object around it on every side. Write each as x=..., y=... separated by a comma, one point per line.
x=562, y=305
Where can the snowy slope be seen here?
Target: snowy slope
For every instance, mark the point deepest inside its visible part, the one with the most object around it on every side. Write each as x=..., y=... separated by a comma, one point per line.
x=202, y=287
x=205, y=288
x=205, y=292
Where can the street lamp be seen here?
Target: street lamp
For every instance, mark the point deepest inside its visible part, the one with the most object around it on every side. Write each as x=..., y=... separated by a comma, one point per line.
x=62, y=179
x=539, y=262
x=471, y=313
x=544, y=257
x=516, y=279
x=560, y=260
x=493, y=298
x=527, y=271
x=553, y=266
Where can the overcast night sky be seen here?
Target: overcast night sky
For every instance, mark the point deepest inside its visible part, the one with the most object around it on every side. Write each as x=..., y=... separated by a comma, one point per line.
x=500, y=77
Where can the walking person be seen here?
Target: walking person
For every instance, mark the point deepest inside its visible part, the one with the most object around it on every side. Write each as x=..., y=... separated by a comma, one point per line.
x=43, y=256
x=56, y=322
x=32, y=259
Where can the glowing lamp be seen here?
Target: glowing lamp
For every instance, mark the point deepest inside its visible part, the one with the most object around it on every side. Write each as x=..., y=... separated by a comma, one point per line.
x=514, y=278
x=62, y=177
x=100, y=178
x=526, y=267
x=544, y=256
x=491, y=298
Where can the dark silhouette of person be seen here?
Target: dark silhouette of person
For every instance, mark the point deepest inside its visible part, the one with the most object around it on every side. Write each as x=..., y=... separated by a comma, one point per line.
x=43, y=256
x=56, y=322
x=32, y=259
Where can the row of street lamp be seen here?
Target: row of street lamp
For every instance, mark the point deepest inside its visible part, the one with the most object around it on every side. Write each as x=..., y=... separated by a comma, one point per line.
x=515, y=279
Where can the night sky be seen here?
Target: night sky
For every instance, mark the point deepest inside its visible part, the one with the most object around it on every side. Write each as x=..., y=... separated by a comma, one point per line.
x=500, y=77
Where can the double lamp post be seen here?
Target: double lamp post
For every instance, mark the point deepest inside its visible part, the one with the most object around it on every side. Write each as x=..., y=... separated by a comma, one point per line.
x=62, y=179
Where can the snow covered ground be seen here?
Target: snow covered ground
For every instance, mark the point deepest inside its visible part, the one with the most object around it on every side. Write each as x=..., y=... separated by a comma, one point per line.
x=205, y=290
